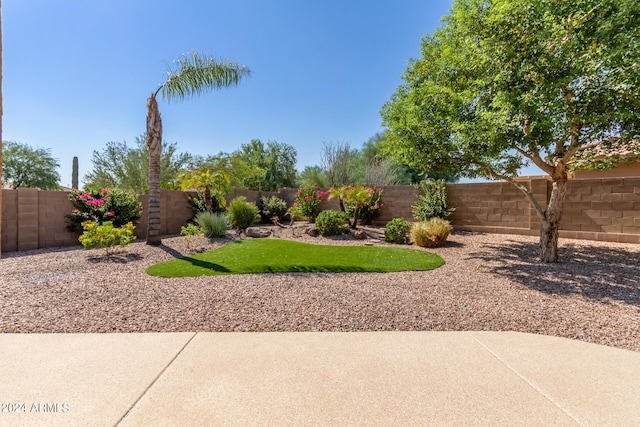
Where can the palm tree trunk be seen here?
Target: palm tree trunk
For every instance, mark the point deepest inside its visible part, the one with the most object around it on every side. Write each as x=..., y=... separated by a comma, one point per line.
x=154, y=142
x=207, y=199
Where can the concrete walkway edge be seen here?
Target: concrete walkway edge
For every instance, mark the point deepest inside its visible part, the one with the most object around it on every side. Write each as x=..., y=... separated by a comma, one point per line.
x=315, y=378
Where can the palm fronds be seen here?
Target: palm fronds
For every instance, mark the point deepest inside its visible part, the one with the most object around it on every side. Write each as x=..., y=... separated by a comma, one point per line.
x=196, y=73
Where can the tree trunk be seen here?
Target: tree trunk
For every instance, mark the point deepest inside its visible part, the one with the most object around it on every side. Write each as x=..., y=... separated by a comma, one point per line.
x=207, y=199
x=356, y=214
x=154, y=142
x=550, y=226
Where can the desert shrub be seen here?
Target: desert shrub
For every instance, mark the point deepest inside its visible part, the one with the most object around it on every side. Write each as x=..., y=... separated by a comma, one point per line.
x=213, y=224
x=241, y=213
x=433, y=232
x=397, y=231
x=307, y=202
x=116, y=206
x=332, y=223
x=106, y=235
x=432, y=202
x=367, y=210
x=198, y=202
x=272, y=207
x=190, y=230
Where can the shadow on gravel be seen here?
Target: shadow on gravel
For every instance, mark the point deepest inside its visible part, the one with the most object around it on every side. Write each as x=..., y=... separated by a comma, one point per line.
x=171, y=251
x=599, y=273
x=116, y=258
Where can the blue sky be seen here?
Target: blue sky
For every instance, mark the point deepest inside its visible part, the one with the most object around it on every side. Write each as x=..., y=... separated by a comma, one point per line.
x=77, y=73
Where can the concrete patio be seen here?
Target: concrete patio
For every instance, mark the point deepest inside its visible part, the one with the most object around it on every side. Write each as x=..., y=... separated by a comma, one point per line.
x=370, y=378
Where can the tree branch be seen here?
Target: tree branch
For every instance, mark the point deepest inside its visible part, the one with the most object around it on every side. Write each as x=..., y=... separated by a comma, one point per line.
x=537, y=160
x=520, y=187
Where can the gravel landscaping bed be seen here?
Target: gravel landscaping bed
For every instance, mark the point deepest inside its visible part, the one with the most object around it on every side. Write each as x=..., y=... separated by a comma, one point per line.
x=490, y=282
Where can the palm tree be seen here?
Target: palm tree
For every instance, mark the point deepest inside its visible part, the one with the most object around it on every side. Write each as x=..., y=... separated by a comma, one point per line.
x=194, y=74
x=206, y=180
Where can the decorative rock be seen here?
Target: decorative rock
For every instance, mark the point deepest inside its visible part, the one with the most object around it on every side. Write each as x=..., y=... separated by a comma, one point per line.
x=359, y=234
x=311, y=231
x=257, y=232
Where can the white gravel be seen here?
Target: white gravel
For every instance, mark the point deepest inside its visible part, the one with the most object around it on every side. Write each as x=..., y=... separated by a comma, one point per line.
x=489, y=282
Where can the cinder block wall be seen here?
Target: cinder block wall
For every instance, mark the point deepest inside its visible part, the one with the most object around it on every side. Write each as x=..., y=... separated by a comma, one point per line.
x=51, y=221
x=603, y=209
x=33, y=219
x=606, y=209
x=9, y=220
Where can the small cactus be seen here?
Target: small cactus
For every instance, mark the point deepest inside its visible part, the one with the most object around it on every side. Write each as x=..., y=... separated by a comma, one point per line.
x=74, y=173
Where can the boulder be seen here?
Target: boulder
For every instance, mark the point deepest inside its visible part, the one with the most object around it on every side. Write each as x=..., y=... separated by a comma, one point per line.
x=359, y=234
x=311, y=231
x=257, y=232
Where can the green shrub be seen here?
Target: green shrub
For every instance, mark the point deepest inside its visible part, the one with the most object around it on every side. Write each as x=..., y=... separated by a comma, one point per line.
x=242, y=214
x=332, y=223
x=213, y=224
x=397, y=231
x=433, y=232
x=432, y=202
x=273, y=206
x=116, y=206
x=199, y=204
x=191, y=230
x=106, y=235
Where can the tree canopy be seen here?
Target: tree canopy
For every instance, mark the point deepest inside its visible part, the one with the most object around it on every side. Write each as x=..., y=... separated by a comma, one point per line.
x=119, y=165
x=24, y=166
x=276, y=160
x=503, y=83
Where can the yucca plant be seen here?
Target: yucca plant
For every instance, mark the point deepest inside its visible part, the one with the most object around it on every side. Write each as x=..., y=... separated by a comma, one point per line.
x=194, y=74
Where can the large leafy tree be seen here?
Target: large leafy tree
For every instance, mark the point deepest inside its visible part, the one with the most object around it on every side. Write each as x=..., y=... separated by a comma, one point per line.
x=277, y=161
x=193, y=75
x=25, y=166
x=504, y=83
x=119, y=165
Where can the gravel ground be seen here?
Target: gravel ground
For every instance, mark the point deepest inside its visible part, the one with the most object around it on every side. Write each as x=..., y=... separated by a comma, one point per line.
x=490, y=282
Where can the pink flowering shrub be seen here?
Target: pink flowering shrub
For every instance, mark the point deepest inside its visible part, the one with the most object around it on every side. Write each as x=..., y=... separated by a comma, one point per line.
x=307, y=202
x=117, y=206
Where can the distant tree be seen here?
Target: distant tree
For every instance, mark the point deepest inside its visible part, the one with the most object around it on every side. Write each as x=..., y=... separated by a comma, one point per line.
x=24, y=166
x=312, y=176
x=382, y=165
x=193, y=75
x=239, y=172
x=121, y=166
x=276, y=160
x=507, y=82
x=336, y=159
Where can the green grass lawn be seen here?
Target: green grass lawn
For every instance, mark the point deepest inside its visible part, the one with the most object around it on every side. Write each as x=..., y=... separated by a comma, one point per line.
x=279, y=256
